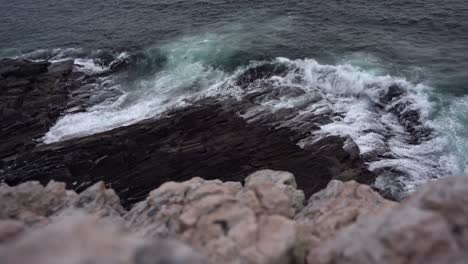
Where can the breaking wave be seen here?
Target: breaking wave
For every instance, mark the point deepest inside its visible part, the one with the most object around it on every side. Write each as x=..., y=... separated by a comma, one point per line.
x=393, y=121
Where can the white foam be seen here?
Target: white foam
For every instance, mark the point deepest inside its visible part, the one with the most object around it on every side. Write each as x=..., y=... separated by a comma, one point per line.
x=350, y=92
x=182, y=78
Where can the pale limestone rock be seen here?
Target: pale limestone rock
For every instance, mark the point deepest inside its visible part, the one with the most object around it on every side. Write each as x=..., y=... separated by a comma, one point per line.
x=266, y=198
x=449, y=198
x=226, y=222
x=81, y=239
x=158, y=216
x=285, y=181
x=337, y=206
x=33, y=203
x=276, y=237
x=99, y=201
x=430, y=227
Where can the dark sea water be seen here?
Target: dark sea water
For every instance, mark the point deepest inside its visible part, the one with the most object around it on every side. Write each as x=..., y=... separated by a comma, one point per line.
x=180, y=49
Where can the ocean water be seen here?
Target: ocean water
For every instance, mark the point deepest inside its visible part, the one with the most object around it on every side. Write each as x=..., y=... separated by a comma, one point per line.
x=344, y=54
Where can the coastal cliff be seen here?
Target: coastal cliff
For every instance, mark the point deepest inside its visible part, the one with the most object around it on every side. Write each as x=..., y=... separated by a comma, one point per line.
x=209, y=139
x=220, y=180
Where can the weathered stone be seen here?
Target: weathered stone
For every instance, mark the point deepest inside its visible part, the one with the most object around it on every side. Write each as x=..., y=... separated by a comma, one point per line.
x=99, y=201
x=429, y=227
x=81, y=240
x=226, y=222
x=449, y=198
x=33, y=203
x=285, y=181
x=345, y=223
x=334, y=208
x=266, y=198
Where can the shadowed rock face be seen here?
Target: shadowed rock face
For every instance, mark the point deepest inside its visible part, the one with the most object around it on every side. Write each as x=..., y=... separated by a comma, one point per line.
x=32, y=97
x=206, y=140
x=212, y=139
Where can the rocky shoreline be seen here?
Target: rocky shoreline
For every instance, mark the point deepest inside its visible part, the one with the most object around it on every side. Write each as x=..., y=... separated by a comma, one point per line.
x=207, y=139
x=206, y=183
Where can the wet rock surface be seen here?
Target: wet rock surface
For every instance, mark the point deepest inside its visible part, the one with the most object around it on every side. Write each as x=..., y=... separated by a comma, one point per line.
x=203, y=140
x=209, y=138
x=129, y=195
x=32, y=97
x=213, y=136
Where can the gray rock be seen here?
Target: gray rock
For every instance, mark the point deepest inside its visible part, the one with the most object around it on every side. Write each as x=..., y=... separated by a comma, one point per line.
x=285, y=181
x=334, y=208
x=99, y=200
x=429, y=227
x=79, y=239
x=226, y=222
x=33, y=203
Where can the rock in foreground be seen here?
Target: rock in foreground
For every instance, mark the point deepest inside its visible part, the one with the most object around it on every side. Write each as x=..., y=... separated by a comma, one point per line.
x=204, y=140
x=263, y=221
x=79, y=239
x=214, y=138
x=32, y=97
x=429, y=227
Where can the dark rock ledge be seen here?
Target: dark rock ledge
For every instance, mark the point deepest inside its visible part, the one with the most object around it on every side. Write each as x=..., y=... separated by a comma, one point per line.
x=32, y=96
x=208, y=139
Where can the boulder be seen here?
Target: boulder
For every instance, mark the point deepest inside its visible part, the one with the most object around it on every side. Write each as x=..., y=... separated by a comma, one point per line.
x=226, y=222
x=99, y=200
x=33, y=203
x=429, y=227
x=340, y=205
x=282, y=180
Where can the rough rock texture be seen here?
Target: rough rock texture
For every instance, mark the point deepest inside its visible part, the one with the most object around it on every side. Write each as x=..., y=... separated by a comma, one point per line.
x=207, y=140
x=32, y=96
x=228, y=223
x=225, y=139
x=430, y=227
x=81, y=240
x=34, y=204
x=334, y=208
x=285, y=181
